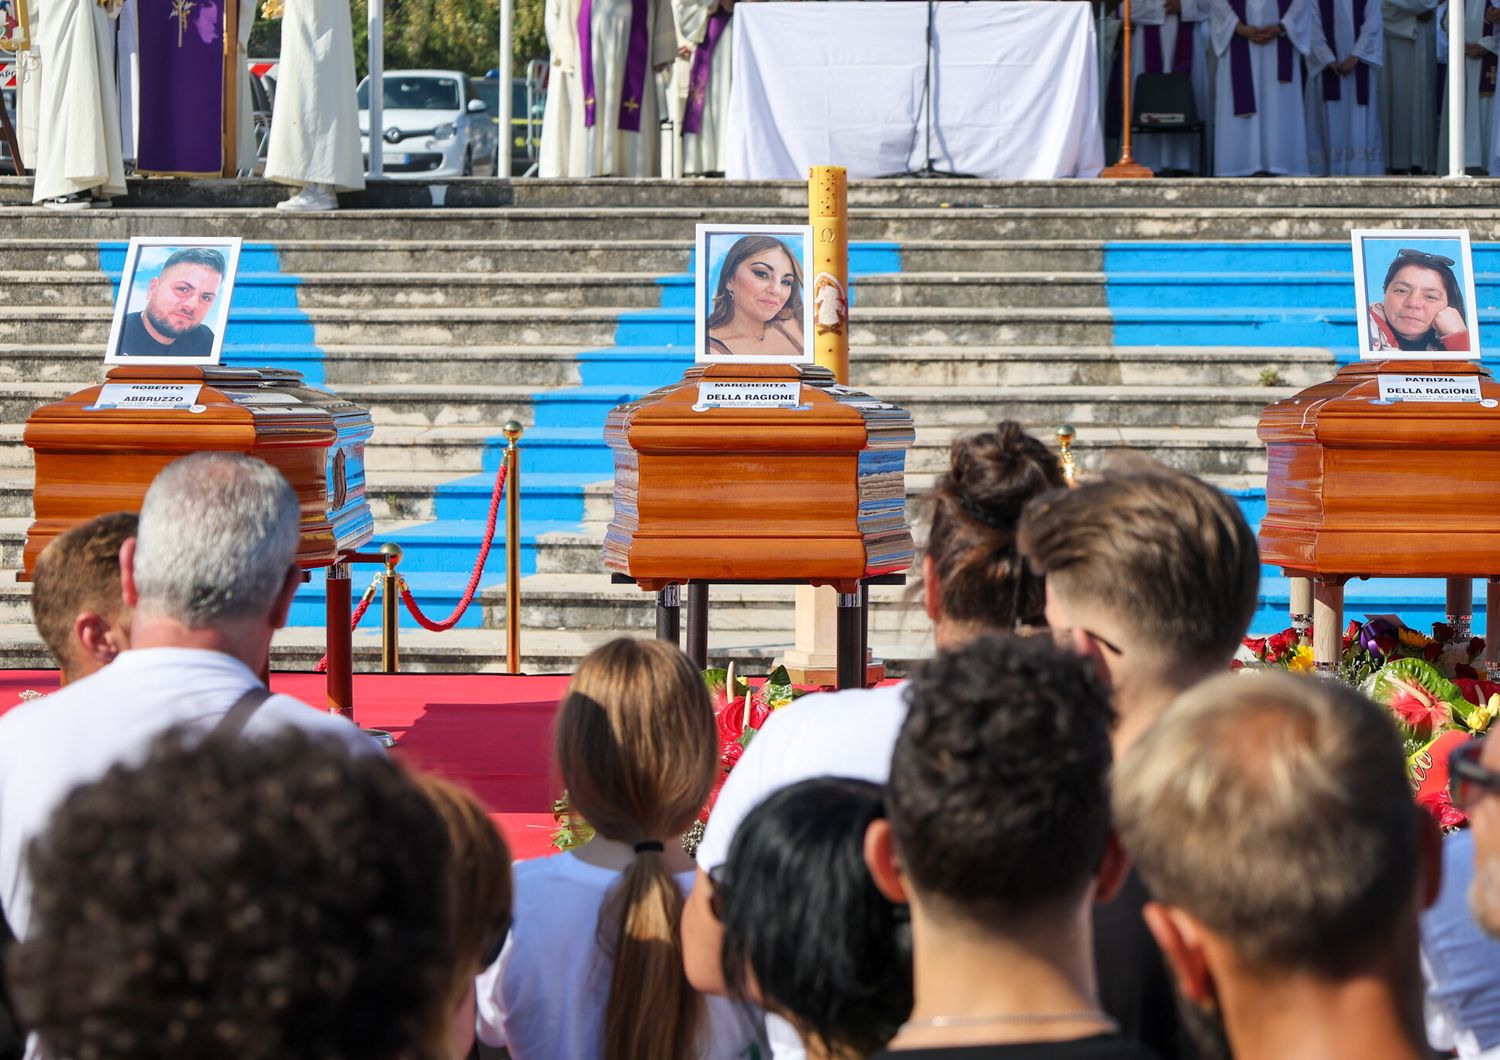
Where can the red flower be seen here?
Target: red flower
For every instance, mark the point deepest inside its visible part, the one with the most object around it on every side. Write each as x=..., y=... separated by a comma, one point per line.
x=1442, y=632
x=1440, y=805
x=1257, y=646
x=1465, y=672
x=1350, y=632
x=1476, y=647
x=1432, y=652
x=1236, y=664
x=1424, y=713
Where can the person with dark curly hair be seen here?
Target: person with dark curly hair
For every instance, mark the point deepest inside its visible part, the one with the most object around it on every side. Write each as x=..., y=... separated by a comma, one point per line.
x=275, y=899
x=973, y=580
x=806, y=933
x=999, y=837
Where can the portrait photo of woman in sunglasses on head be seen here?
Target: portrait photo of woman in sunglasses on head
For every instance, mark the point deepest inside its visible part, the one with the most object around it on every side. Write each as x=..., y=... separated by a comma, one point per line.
x=1416, y=287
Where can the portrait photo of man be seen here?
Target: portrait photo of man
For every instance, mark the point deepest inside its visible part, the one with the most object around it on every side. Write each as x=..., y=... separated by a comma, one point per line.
x=173, y=302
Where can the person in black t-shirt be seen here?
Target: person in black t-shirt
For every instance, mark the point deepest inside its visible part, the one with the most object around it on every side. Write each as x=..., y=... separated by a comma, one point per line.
x=1153, y=575
x=177, y=300
x=999, y=838
x=1272, y=819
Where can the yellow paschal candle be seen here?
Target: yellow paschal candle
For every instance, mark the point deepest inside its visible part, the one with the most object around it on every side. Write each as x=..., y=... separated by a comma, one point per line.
x=828, y=212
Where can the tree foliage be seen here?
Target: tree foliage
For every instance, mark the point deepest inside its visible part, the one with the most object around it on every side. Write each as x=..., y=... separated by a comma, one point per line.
x=437, y=34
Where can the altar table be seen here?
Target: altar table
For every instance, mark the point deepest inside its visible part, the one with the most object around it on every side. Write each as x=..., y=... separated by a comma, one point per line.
x=1016, y=89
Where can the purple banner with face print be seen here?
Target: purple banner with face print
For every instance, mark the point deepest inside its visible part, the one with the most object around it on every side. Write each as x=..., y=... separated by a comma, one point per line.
x=182, y=87
x=703, y=63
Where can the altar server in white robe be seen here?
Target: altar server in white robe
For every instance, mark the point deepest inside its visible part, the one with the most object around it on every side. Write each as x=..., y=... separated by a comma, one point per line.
x=705, y=26
x=622, y=47
x=562, y=153
x=1408, y=112
x=314, y=142
x=1259, y=120
x=1170, y=36
x=1480, y=45
x=78, y=160
x=1343, y=106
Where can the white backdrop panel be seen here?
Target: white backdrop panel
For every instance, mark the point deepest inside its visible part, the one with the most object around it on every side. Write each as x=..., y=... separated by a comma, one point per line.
x=1016, y=89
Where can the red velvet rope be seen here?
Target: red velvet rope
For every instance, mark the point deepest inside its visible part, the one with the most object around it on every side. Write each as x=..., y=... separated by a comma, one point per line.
x=463, y=605
x=473, y=586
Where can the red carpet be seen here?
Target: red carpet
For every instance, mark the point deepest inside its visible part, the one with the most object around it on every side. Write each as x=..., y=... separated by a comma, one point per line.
x=490, y=732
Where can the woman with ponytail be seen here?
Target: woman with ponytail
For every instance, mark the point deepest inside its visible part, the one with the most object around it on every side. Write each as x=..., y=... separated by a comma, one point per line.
x=593, y=963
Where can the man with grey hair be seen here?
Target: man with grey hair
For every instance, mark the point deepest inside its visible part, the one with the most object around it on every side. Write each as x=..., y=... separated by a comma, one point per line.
x=1272, y=820
x=209, y=578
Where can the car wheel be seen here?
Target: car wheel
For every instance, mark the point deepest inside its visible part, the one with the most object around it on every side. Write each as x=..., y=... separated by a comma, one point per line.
x=468, y=161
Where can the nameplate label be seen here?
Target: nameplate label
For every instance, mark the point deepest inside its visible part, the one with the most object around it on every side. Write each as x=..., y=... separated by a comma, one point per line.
x=1430, y=388
x=147, y=396
x=748, y=396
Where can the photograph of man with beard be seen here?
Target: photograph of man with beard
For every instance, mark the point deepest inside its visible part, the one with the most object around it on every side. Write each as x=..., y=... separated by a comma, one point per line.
x=174, y=312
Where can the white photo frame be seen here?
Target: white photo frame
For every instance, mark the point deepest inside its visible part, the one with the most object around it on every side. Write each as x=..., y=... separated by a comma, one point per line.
x=717, y=341
x=1420, y=328
x=189, y=309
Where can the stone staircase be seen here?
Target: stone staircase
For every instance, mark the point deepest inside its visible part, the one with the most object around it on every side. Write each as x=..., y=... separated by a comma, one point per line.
x=1119, y=309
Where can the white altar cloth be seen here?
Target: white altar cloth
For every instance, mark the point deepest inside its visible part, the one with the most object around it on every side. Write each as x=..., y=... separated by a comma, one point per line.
x=1016, y=89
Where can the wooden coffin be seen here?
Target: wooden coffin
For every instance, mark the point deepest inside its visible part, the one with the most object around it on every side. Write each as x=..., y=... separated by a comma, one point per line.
x=92, y=461
x=815, y=493
x=1357, y=486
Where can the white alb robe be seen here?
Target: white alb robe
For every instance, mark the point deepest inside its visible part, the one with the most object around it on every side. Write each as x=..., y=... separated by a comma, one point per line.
x=562, y=152
x=1408, y=92
x=1274, y=138
x=1478, y=110
x=1343, y=138
x=77, y=116
x=1179, y=152
x=706, y=151
x=315, y=124
x=245, y=155
x=610, y=151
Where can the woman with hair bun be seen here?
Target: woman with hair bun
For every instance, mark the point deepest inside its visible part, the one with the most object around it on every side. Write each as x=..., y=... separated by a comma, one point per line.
x=593, y=963
x=973, y=580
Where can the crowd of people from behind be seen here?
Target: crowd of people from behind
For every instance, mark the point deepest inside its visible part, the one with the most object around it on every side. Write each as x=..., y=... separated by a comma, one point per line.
x=1071, y=833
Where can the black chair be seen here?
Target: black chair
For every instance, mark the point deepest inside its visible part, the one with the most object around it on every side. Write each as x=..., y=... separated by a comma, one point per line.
x=1163, y=105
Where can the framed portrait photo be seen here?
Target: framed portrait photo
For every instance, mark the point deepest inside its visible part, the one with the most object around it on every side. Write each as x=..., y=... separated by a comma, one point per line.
x=1414, y=294
x=751, y=296
x=15, y=26
x=173, y=302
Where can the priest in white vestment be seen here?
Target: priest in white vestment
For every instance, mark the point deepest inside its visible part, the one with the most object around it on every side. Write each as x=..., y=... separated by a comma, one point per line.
x=1171, y=36
x=314, y=142
x=1343, y=105
x=78, y=161
x=562, y=151
x=1408, y=89
x=1259, y=121
x=628, y=43
x=128, y=75
x=705, y=26
x=1479, y=87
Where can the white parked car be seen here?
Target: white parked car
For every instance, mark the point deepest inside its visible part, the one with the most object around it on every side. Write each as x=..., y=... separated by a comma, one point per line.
x=433, y=126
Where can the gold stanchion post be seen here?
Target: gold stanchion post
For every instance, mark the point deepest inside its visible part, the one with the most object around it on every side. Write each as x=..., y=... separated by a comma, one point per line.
x=513, y=431
x=1066, y=458
x=390, y=596
x=1127, y=168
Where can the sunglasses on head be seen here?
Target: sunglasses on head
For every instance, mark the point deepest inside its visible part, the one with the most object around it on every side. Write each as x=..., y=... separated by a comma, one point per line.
x=1468, y=781
x=1421, y=257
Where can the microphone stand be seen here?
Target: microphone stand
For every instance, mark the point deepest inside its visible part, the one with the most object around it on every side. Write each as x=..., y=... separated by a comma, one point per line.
x=929, y=170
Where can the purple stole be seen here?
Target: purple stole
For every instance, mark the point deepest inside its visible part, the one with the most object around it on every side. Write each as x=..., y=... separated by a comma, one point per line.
x=637, y=59
x=1487, y=65
x=703, y=62
x=1331, y=89
x=182, y=58
x=1182, y=51
x=1240, y=75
